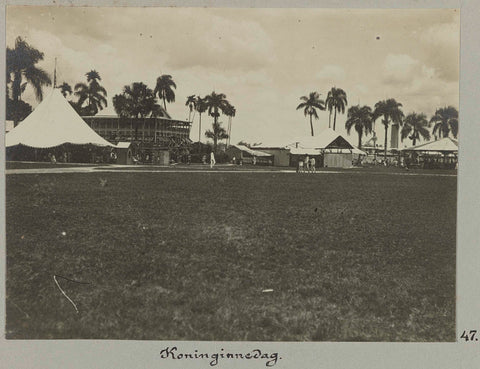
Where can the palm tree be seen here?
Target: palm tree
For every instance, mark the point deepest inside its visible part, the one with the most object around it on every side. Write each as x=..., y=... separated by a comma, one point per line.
x=445, y=121
x=91, y=93
x=336, y=100
x=230, y=112
x=217, y=133
x=217, y=103
x=191, y=102
x=359, y=118
x=65, y=89
x=414, y=126
x=164, y=89
x=329, y=106
x=310, y=105
x=201, y=107
x=391, y=113
x=136, y=101
x=21, y=70
x=93, y=76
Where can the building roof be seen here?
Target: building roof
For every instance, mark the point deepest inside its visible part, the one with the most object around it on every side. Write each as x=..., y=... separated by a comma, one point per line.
x=302, y=151
x=326, y=139
x=123, y=144
x=53, y=122
x=250, y=151
x=445, y=144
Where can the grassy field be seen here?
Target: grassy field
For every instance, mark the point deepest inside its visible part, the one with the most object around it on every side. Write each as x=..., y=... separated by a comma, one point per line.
x=187, y=255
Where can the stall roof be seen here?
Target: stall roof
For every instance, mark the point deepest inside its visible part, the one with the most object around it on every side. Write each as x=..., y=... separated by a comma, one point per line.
x=123, y=144
x=250, y=151
x=445, y=144
x=327, y=138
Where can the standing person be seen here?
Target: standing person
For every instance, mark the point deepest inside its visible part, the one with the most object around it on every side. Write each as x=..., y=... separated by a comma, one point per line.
x=300, y=166
x=312, y=164
x=212, y=159
x=254, y=160
x=307, y=164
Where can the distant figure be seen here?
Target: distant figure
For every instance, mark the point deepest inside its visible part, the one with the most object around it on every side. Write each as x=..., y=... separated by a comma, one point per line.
x=300, y=166
x=53, y=160
x=307, y=164
x=254, y=160
x=212, y=159
x=113, y=157
x=233, y=160
x=204, y=159
x=312, y=165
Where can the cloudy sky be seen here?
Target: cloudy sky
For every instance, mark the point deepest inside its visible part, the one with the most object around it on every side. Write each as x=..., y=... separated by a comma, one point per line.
x=263, y=60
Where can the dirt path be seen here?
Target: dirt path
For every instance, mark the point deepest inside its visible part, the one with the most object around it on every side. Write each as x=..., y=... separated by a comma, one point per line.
x=199, y=169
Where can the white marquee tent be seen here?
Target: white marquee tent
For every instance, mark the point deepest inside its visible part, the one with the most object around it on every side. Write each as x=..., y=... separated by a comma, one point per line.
x=53, y=122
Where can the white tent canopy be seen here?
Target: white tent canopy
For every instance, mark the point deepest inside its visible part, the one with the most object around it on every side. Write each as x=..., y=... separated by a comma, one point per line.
x=313, y=145
x=445, y=144
x=53, y=122
x=323, y=140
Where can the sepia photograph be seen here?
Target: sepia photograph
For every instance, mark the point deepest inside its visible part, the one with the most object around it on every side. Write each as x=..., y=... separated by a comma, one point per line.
x=223, y=174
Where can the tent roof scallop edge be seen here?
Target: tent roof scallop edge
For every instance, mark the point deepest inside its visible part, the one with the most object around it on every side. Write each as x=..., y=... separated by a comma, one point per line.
x=53, y=122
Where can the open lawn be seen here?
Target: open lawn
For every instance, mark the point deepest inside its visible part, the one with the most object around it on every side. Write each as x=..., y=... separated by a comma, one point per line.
x=186, y=256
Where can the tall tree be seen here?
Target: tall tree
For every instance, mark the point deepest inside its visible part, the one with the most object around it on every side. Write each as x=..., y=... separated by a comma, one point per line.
x=310, y=104
x=360, y=118
x=164, y=89
x=65, y=89
x=92, y=97
x=329, y=107
x=230, y=112
x=21, y=70
x=336, y=100
x=200, y=107
x=390, y=112
x=216, y=133
x=445, y=120
x=217, y=104
x=136, y=101
x=415, y=126
x=191, y=102
x=17, y=111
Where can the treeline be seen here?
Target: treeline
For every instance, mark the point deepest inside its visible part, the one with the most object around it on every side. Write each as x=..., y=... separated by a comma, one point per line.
x=362, y=118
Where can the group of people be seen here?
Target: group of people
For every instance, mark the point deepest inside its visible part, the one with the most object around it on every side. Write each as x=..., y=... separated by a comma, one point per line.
x=63, y=158
x=306, y=165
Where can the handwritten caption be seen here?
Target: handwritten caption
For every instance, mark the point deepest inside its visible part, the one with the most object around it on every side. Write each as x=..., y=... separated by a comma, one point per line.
x=214, y=358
